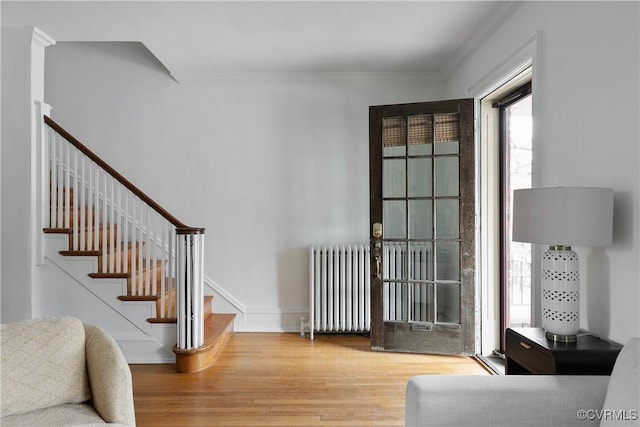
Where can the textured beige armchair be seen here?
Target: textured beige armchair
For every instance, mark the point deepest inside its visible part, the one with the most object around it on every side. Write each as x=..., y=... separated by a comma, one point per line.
x=60, y=372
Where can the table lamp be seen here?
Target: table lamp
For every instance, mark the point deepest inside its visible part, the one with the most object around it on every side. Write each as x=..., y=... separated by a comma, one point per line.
x=562, y=217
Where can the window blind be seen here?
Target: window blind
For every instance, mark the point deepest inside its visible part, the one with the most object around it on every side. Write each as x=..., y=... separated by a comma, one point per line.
x=421, y=129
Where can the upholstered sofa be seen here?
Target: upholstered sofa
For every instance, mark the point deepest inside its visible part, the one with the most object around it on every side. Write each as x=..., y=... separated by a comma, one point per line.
x=61, y=372
x=529, y=400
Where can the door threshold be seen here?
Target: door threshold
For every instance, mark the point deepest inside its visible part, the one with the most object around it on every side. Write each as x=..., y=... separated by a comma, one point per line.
x=492, y=363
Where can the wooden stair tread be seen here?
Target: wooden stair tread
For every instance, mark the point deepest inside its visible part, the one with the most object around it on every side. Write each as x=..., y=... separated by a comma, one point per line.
x=217, y=330
x=110, y=275
x=69, y=230
x=57, y=230
x=126, y=275
x=88, y=234
x=98, y=252
x=215, y=325
x=162, y=320
x=138, y=297
x=207, y=309
x=80, y=253
x=127, y=254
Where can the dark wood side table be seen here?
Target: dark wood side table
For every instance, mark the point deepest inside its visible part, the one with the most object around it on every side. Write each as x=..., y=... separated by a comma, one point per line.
x=528, y=351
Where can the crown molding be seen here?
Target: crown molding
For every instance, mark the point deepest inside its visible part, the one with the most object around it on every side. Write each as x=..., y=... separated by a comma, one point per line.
x=194, y=76
x=511, y=66
x=35, y=34
x=42, y=38
x=504, y=11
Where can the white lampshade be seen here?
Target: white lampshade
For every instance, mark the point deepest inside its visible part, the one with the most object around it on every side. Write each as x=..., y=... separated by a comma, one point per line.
x=568, y=216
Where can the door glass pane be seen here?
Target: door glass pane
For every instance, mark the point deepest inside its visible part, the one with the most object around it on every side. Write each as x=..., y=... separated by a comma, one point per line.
x=420, y=177
x=394, y=178
x=396, y=302
x=447, y=133
x=420, y=135
x=423, y=306
x=420, y=219
x=421, y=261
x=446, y=176
x=394, y=261
x=451, y=147
x=447, y=219
x=394, y=151
x=394, y=223
x=394, y=136
x=447, y=261
x=448, y=302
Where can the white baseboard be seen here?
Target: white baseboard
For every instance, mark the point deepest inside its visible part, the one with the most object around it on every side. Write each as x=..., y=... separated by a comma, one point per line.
x=143, y=350
x=270, y=320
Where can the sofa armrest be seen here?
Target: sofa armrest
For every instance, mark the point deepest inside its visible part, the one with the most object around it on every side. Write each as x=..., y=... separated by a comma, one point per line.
x=531, y=400
x=109, y=377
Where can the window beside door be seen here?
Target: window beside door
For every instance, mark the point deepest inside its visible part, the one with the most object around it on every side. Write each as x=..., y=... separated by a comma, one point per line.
x=516, y=124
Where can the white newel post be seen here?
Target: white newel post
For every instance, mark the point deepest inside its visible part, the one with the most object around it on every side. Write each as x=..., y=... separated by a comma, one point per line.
x=190, y=287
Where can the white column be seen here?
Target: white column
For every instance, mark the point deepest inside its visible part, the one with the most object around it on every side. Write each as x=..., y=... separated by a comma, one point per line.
x=22, y=85
x=190, y=288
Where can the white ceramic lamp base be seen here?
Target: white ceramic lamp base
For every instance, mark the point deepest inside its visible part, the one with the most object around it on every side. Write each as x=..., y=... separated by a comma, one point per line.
x=560, y=294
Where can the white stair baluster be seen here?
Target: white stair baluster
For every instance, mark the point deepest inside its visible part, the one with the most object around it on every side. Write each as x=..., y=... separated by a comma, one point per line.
x=137, y=244
x=163, y=293
x=53, y=162
x=149, y=242
x=105, y=224
x=76, y=209
x=112, y=227
x=67, y=184
x=153, y=285
x=95, y=184
x=172, y=276
x=126, y=244
x=141, y=241
x=82, y=205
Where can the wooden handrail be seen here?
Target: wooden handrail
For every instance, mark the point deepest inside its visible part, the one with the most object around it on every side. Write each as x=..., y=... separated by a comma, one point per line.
x=121, y=179
x=190, y=230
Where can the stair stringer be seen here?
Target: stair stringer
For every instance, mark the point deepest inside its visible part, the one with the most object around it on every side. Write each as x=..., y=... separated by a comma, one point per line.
x=143, y=342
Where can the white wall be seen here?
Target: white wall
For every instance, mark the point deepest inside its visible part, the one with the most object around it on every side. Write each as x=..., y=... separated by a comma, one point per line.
x=16, y=301
x=586, y=108
x=268, y=164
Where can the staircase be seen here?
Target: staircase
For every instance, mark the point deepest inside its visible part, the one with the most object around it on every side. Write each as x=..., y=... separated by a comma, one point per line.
x=130, y=239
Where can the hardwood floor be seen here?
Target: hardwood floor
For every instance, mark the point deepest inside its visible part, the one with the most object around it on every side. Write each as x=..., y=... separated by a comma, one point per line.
x=263, y=379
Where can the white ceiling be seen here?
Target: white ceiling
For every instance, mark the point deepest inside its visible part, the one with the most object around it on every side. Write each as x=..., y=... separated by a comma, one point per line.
x=273, y=37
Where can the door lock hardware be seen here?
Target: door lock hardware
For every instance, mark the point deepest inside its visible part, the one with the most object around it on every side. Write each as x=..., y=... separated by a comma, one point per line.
x=376, y=230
